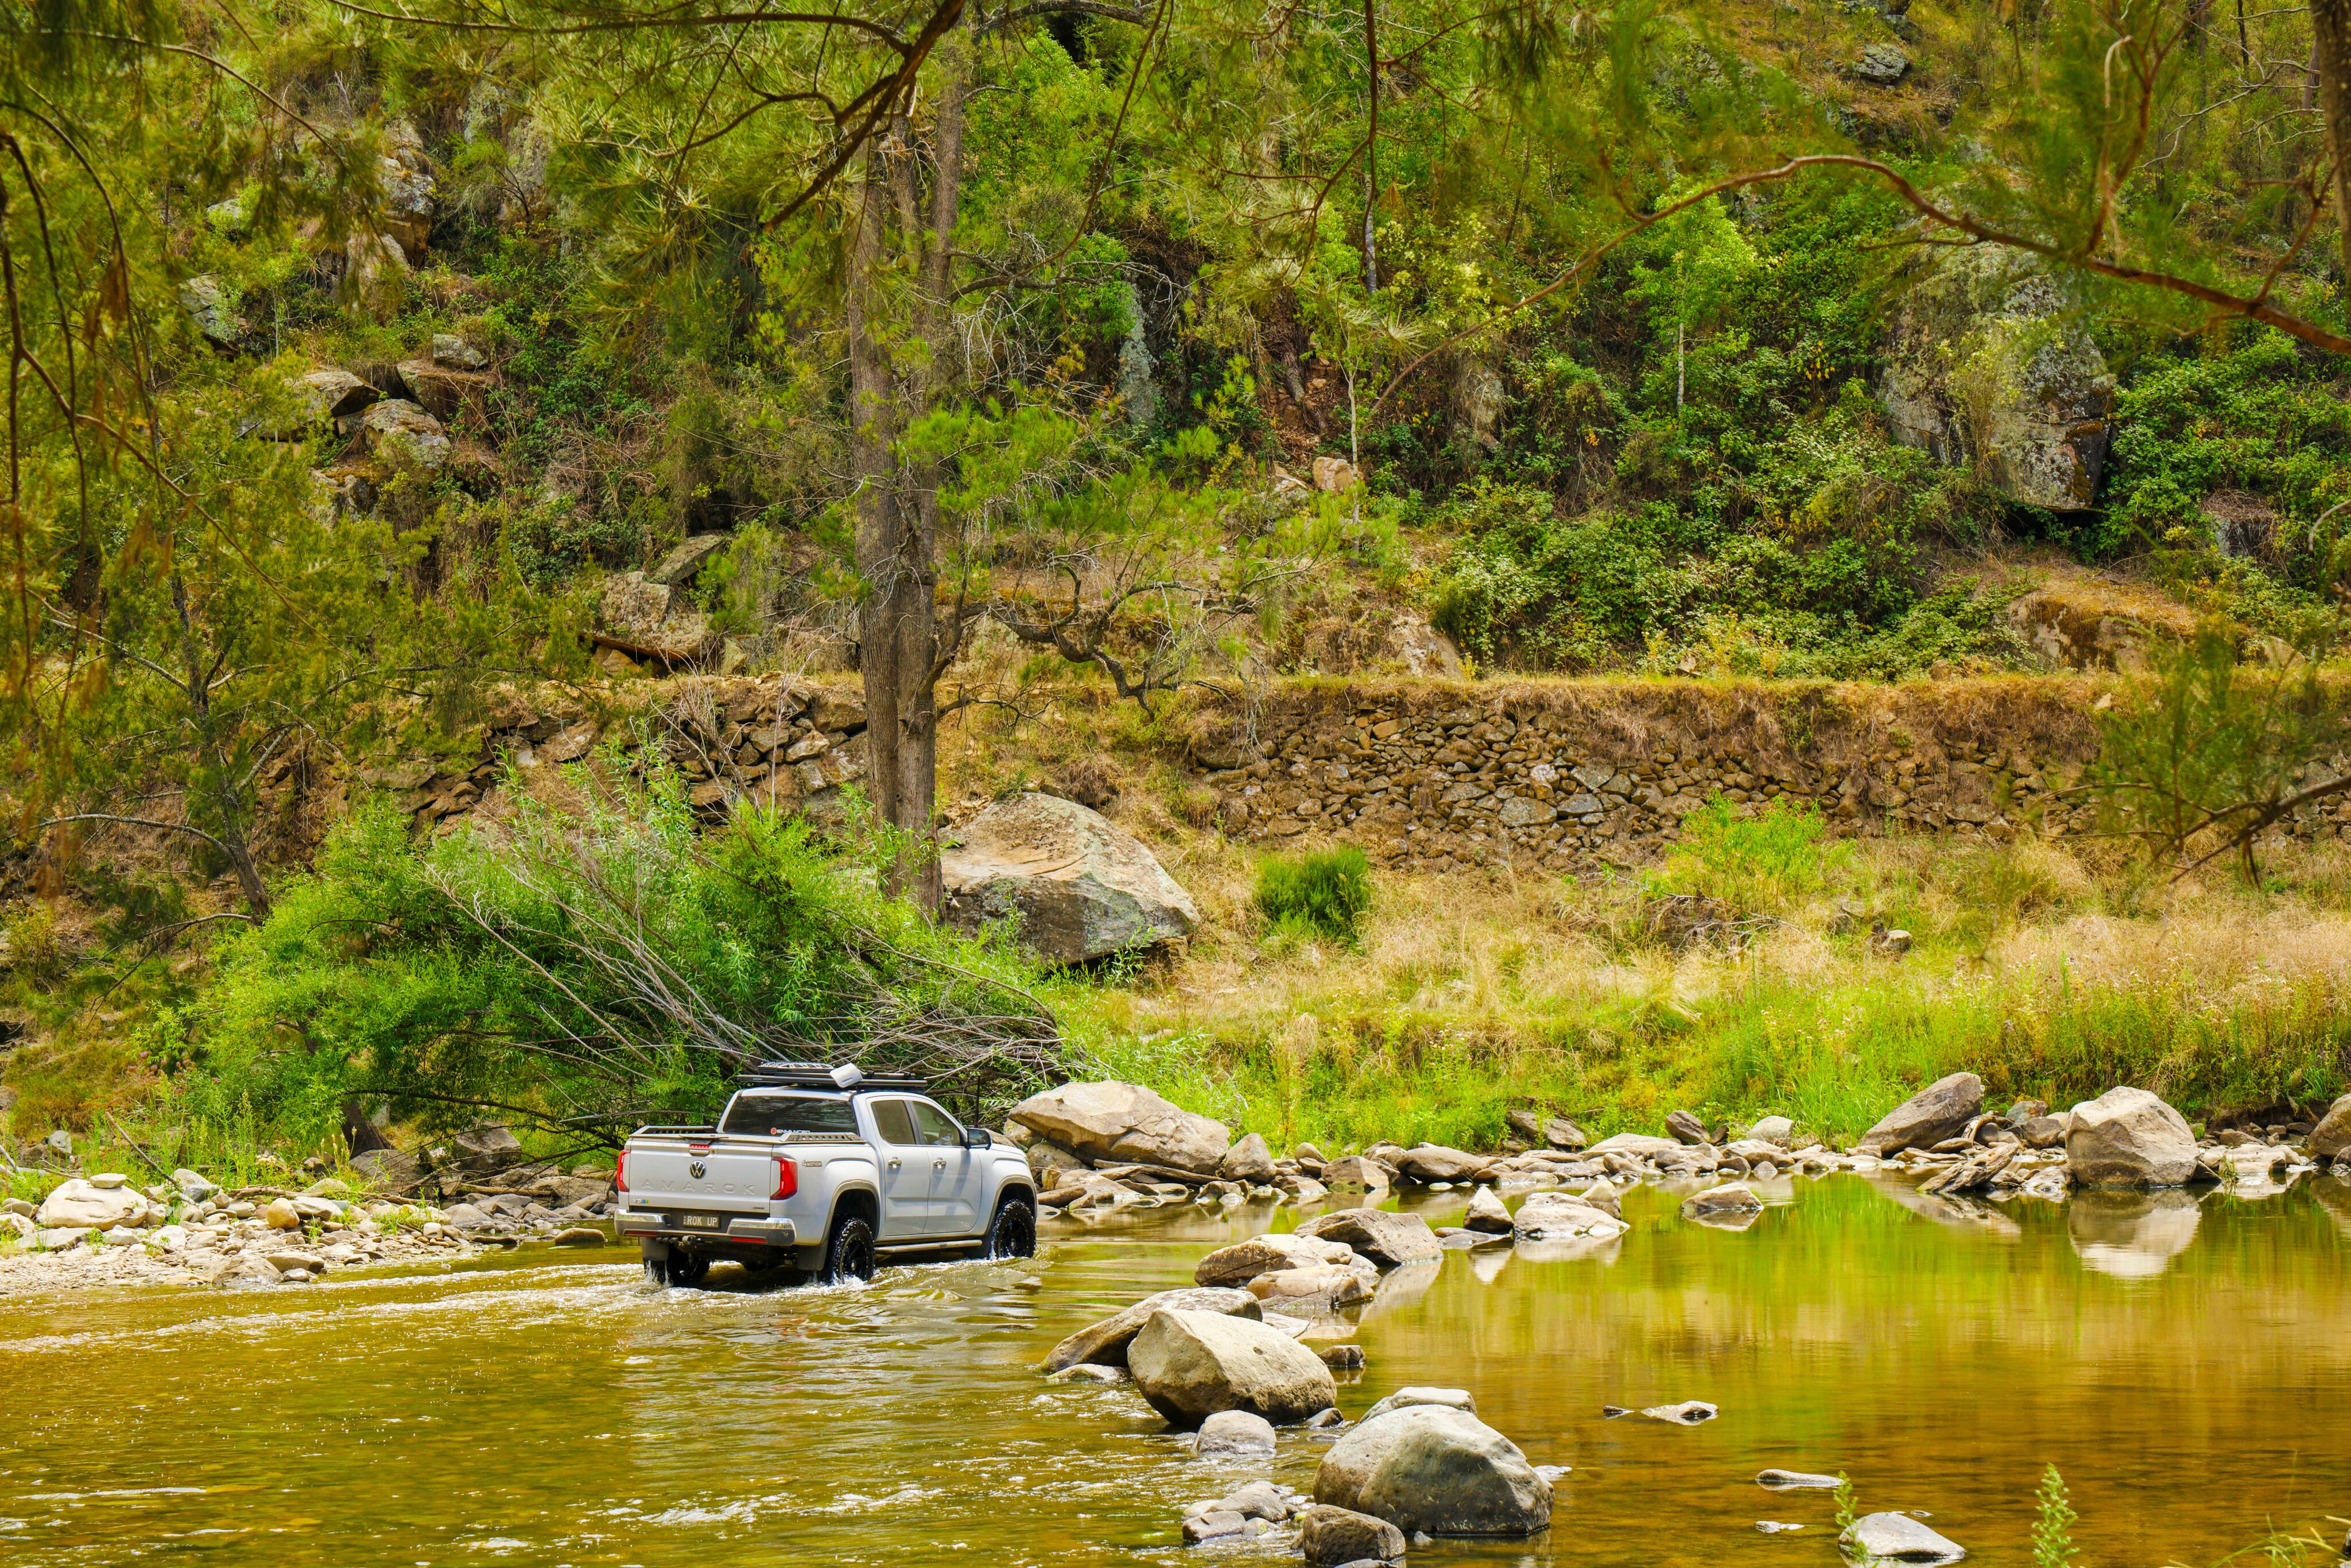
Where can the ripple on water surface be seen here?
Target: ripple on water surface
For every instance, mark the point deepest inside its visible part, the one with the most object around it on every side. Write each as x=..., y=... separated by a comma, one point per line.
x=543, y=1408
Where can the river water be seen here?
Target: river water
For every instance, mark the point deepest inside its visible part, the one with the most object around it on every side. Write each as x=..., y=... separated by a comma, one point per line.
x=2185, y=1362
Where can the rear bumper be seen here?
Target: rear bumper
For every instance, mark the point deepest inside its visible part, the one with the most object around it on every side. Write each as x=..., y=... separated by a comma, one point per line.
x=757, y=1231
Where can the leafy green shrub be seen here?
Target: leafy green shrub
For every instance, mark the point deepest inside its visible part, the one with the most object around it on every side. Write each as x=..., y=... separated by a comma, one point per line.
x=1325, y=890
x=1765, y=860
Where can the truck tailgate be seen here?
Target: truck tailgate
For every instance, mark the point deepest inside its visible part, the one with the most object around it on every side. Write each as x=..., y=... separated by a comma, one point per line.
x=671, y=1173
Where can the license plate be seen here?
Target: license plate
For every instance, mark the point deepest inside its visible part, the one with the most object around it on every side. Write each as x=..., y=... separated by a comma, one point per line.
x=703, y=1222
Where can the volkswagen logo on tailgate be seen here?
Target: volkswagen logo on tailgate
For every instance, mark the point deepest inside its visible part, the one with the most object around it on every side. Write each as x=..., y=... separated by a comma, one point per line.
x=698, y=1170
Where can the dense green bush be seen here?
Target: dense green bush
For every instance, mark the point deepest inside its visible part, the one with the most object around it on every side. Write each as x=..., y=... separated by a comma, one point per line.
x=1763, y=859
x=1327, y=891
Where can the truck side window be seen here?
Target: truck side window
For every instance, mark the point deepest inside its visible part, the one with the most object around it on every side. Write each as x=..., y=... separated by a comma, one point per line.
x=938, y=1128
x=890, y=1119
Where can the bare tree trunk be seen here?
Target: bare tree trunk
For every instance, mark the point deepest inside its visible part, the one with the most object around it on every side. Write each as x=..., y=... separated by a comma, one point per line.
x=872, y=413
x=2330, y=22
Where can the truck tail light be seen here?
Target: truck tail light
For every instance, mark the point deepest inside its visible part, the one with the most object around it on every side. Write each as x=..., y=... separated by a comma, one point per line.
x=788, y=1180
x=620, y=1171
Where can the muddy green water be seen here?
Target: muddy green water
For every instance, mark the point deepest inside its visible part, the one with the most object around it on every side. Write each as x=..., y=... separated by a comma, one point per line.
x=2186, y=1364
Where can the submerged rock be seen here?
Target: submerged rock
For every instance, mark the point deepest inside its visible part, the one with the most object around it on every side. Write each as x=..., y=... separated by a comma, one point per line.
x=1688, y=1413
x=1796, y=1480
x=1719, y=1201
x=2128, y=1137
x=1233, y=1434
x=1459, y=1399
x=1191, y=1365
x=1332, y=1536
x=1897, y=1538
x=1428, y=1468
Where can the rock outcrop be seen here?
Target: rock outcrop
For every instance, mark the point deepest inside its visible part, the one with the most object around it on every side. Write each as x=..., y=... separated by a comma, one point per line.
x=1190, y=1364
x=2128, y=1137
x=1079, y=888
x=1115, y=1121
x=1987, y=366
x=1430, y=1467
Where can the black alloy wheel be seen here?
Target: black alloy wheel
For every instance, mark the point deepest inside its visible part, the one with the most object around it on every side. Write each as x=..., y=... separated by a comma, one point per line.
x=849, y=1253
x=1014, y=1232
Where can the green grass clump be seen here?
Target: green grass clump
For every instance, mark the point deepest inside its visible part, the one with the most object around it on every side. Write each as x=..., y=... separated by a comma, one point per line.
x=1326, y=892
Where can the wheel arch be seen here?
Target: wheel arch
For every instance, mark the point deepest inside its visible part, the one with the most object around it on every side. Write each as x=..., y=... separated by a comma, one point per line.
x=861, y=1201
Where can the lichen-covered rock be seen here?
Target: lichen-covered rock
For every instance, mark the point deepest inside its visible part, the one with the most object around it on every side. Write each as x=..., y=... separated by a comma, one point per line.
x=1079, y=887
x=336, y=394
x=397, y=431
x=212, y=309
x=1125, y=1123
x=375, y=275
x=650, y=617
x=1986, y=365
x=447, y=394
x=1189, y=1365
x=1430, y=1467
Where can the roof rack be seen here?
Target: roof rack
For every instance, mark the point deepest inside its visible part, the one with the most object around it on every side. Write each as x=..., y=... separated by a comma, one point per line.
x=848, y=1077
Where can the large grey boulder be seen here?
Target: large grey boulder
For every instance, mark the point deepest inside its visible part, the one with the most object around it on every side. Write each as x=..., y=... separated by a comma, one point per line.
x=1434, y=1162
x=1941, y=1110
x=2332, y=1137
x=1988, y=366
x=1248, y=1160
x=1106, y=1343
x=1245, y=1261
x=1897, y=1538
x=81, y=1204
x=2128, y=1137
x=1079, y=888
x=1126, y=1124
x=1430, y=1467
x=1189, y=1365
x=1640, y=1146
x=1387, y=1239
x=1331, y=1537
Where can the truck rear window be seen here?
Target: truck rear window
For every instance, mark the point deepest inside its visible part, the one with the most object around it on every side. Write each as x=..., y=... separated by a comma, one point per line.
x=772, y=1115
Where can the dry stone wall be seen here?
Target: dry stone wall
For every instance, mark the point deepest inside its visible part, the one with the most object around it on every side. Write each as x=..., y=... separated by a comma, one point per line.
x=1434, y=777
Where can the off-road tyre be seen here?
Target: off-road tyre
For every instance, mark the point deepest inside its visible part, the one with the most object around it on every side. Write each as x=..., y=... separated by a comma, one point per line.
x=686, y=1268
x=1013, y=1232
x=848, y=1252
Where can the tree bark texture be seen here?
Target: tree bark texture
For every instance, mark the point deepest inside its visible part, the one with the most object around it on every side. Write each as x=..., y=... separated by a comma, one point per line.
x=2330, y=22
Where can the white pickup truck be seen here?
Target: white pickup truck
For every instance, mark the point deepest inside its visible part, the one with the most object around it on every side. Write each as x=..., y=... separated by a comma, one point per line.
x=821, y=1169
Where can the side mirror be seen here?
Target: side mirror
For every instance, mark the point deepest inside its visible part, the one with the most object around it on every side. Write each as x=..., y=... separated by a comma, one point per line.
x=977, y=1138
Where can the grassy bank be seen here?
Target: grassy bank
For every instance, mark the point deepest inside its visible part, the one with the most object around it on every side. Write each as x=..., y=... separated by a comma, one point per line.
x=2056, y=973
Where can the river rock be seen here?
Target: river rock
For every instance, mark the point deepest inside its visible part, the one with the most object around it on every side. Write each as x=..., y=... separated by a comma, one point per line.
x=80, y=1205
x=307, y=1261
x=1434, y=1162
x=1459, y=1399
x=1125, y=1123
x=1941, y=1110
x=1773, y=1130
x=1248, y=1160
x=1488, y=1213
x=1428, y=1468
x=1245, y=1261
x=1331, y=1537
x=491, y=1146
x=2332, y=1137
x=1217, y=1525
x=1688, y=1413
x=1897, y=1538
x=1686, y=1128
x=1796, y=1480
x=1234, y=1433
x=1551, y=1216
x=578, y=1236
x=1106, y=1343
x=1191, y=1365
x=1640, y=1146
x=1354, y=1170
x=1721, y=1200
x=1387, y=1239
x=1325, y=1284
x=2128, y=1137
x=1079, y=888
x=2042, y=1132
x=281, y=1214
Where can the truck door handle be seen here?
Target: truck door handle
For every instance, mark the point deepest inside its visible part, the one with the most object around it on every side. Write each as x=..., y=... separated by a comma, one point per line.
x=939, y=1164
x=894, y=1164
